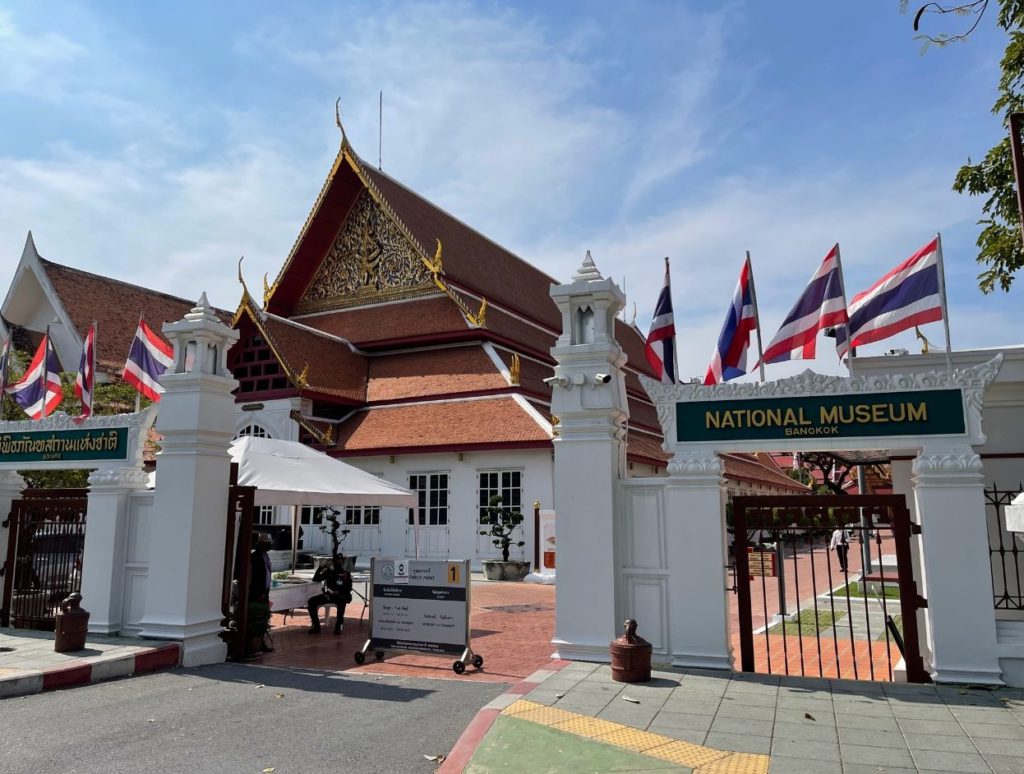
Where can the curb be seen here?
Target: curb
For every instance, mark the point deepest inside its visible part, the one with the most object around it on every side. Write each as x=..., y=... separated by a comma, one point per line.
x=76, y=673
x=462, y=752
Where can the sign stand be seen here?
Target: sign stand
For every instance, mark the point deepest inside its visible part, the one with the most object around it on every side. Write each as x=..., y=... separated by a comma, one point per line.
x=420, y=606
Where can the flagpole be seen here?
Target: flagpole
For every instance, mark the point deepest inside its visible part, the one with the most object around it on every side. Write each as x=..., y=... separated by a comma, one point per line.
x=942, y=296
x=757, y=317
x=95, y=341
x=138, y=395
x=675, y=352
x=43, y=413
x=850, y=351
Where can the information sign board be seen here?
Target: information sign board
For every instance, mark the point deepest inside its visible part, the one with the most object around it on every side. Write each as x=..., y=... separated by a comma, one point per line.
x=427, y=610
x=761, y=562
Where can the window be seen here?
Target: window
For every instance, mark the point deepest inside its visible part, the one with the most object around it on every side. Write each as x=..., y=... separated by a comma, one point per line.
x=256, y=431
x=263, y=515
x=362, y=515
x=507, y=483
x=432, y=491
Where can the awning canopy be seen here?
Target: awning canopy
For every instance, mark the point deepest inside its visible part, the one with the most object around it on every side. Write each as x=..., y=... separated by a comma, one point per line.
x=290, y=473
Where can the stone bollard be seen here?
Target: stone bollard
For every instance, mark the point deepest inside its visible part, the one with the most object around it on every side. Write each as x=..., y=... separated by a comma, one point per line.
x=631, y=656
x=72, y=625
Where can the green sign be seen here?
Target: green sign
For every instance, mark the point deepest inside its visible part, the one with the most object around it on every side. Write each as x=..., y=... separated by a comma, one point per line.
x=65, y=445
x=923, y=412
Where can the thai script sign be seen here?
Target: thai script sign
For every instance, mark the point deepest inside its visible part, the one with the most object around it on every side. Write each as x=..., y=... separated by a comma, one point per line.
x=761, y=562
x=65, y=445
x=427, y=610
x=919, y=412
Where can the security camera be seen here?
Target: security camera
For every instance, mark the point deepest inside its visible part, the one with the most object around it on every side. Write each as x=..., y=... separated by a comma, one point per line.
x=602, y=378
x=561, y=381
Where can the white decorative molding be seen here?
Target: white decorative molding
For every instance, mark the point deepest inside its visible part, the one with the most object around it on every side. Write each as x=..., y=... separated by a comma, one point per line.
x=971, y=381
x=696, y=462
x=943, y=461
x=134, y=478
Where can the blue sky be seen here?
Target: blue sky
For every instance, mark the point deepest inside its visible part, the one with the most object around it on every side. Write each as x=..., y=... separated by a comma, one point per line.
x=158, y=142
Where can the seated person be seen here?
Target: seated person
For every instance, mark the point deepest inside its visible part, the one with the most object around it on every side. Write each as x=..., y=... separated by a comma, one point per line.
x=337, y=583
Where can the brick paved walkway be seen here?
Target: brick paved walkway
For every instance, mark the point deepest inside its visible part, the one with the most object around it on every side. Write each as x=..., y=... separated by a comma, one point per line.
x=513, y=624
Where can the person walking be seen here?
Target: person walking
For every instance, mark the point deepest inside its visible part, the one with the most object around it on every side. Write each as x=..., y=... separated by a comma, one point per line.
x=840, y=543
x=337, y=585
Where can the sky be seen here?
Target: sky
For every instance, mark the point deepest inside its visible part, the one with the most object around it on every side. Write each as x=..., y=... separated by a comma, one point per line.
x=157, y=143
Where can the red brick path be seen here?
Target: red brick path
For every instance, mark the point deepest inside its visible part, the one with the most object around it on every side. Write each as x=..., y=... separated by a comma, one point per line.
x=513, y=644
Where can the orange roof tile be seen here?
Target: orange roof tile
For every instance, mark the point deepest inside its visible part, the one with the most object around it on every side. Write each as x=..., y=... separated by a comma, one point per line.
x=746, y=467
x=448, y=424
x=432, y=372
x=410, y=319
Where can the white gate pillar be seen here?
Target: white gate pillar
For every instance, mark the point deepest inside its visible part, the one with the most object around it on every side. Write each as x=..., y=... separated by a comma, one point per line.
x=11, y=487
x=961, y=631
x=183, y=591
x=695, y=533
x=103, y=557
x=589, y=399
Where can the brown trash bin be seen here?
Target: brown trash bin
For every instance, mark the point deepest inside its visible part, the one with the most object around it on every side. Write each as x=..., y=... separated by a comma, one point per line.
x=72, y=625
x=631, y=656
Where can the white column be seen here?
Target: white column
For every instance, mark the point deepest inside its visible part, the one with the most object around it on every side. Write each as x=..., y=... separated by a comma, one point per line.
x=189, y=522
x=11, y=486
x=957, y=580
x=586, y=464
x=103, y=559
x=695, y=532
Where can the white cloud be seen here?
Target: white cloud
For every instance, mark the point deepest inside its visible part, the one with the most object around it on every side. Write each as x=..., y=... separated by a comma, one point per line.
x=34, y=63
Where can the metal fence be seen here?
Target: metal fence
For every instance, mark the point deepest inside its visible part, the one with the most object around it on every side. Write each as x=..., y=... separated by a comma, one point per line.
x=1005, y=552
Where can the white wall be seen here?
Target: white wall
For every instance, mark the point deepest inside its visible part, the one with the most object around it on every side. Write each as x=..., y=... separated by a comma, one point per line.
x=136, y=568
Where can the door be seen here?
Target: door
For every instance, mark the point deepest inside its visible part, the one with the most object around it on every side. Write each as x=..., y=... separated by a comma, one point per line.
x=825, y=586
x=431, y=513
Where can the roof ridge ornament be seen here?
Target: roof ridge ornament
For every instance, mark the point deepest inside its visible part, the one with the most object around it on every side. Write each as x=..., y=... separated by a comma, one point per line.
x=588, y=270
x=436, y=269
x=337, y=120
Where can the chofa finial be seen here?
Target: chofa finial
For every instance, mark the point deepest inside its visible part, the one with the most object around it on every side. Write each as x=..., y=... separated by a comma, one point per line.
x=337, y=120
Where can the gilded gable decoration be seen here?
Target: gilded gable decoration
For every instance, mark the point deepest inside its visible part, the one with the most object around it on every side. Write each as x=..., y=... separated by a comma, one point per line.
x=436, y=268
x=370, y=261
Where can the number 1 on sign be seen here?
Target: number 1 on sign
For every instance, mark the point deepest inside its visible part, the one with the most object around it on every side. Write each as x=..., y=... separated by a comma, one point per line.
x=454, y=573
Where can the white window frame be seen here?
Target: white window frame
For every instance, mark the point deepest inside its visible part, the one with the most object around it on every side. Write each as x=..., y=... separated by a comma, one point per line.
x=425, y=506
x=485, y=491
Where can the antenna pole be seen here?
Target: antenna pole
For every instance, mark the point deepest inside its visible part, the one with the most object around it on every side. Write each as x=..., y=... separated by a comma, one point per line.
x=380, y=130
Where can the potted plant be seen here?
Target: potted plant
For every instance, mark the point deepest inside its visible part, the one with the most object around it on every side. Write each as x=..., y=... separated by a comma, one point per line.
x=501, y=521
x=338, y=534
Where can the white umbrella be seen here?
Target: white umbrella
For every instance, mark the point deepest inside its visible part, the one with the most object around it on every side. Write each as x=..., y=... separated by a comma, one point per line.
x=290, y=473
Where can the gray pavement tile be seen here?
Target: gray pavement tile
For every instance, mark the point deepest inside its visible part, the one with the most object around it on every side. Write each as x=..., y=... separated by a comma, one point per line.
x=543, y=697
x=601, y=688
x=754, y=678
x=794, y=715
x=726, y=725
x=583, y=707
x=929, y=727
x=628, y=715
x=872, y=709
x=804, y=699
x=690, y=708
x=815, y=732
x=801, y=748
x=682, y=721
x=984, y=715
x=923, y=712
x=993, y=731
x=859, y=687
x=741, y=711
x=695, y=736
x=872, y=737
x=793, y=683
x=701, y=689
x=1005, y=764
x=874, y=768
x=1000, y=746
x=750, y=699
x=908, y=689
x=747, y=743
x=876, y=756
x=962, y=763
x=940, y=743
x=785, y=765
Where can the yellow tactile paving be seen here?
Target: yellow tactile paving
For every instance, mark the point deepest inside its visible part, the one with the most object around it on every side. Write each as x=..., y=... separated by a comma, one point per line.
x=633, y=739
x=705, y=760
x=582, y=725
x=737, y=763
x=687, y=754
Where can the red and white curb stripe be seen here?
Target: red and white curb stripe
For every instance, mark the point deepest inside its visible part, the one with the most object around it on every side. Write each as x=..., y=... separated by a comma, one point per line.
x=478, y=727
x=92, y=671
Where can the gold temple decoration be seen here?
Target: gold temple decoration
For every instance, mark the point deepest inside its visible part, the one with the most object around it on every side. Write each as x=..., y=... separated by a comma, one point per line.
x=371, y=261
x=302, y=380
x=925, y=344
x=325, y=437
x=555, y=422
x=337, y=120
x=513, y=370
x=266, y=290
x=436, y=268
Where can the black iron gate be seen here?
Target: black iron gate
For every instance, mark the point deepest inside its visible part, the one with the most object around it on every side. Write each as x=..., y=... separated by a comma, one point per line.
x=825, y=586
x=44, y=555
x=237, y=547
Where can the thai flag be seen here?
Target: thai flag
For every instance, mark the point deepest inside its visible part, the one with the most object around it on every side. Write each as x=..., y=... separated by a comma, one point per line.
x=661, y=341
x=909, y=295
x=5, y=366
x=821, y=305
x=86, y=378
x=148, y=358
x=39, y=391
x=730, y=357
